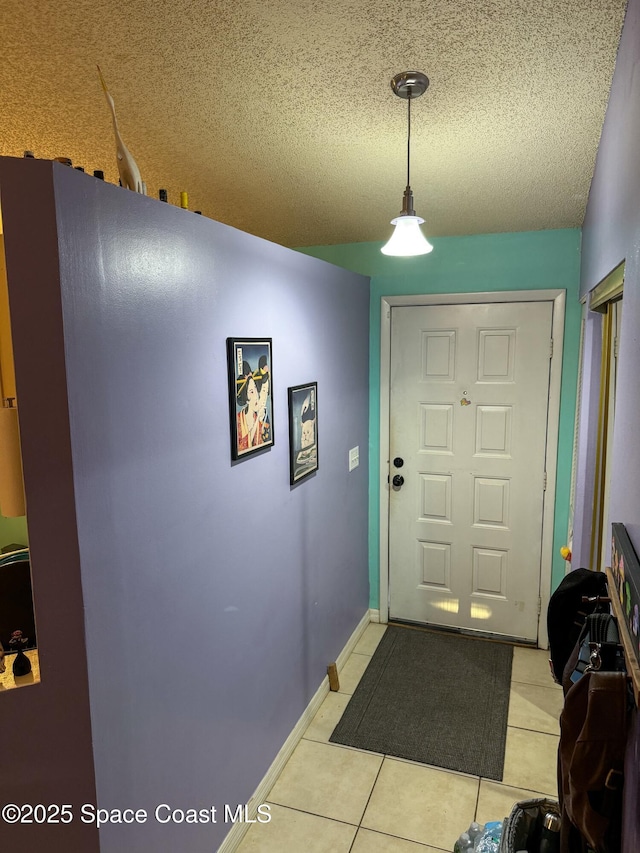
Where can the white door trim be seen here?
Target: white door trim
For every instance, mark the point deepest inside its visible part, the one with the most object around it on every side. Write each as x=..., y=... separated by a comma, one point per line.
x=558, y=297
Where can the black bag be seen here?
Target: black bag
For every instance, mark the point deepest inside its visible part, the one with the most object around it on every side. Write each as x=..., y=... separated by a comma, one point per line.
x=598, y=649
x=566, y=614
x=522, y=830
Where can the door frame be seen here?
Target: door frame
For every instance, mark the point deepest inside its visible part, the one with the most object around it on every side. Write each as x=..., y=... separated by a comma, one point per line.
x=558, y=297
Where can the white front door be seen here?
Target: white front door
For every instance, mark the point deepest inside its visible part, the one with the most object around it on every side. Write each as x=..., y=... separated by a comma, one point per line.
x=468, y=424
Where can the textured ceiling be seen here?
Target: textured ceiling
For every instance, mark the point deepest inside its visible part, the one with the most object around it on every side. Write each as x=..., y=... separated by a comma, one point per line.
x=277, y=117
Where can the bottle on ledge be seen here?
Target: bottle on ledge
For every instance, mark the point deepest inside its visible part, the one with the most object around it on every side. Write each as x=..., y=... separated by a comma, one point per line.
x=162, y=195
x=184, y=201
x=29, y=155
x=98, y=173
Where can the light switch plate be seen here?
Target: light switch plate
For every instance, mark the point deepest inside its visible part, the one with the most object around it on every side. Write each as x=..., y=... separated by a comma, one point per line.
x=354, y=458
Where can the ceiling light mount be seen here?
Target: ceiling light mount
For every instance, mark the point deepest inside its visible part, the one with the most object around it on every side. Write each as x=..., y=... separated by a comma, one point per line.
x=409, y=84
x=408, y=239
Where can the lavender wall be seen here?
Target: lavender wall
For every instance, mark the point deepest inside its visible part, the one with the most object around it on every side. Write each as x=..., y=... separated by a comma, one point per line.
x=611, y=223
x=215, y=594
x=587, y=440
x=612, y=233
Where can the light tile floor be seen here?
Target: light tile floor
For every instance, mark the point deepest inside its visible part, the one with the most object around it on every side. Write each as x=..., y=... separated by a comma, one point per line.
x=335, y=799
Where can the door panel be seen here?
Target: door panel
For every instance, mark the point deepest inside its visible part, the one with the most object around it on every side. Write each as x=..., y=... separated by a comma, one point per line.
x=469, y=398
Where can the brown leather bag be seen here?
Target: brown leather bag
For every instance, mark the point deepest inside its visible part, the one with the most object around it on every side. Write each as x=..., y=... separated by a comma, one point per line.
x=593, y=734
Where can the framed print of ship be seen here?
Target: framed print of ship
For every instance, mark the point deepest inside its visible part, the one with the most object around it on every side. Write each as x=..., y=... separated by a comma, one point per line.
x=303, y=431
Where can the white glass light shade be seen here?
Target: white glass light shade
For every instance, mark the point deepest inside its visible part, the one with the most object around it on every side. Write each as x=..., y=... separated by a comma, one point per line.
x=407, y=238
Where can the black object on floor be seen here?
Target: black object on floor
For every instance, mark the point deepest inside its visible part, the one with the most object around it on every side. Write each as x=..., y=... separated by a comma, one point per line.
x=438, y=698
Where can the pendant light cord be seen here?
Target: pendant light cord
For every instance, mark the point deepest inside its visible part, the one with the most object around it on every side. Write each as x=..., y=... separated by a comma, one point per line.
x=408, y=136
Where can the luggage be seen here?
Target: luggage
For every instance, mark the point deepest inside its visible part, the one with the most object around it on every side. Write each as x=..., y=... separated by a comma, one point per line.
x=587, y=659
x=566, y=614
x=593, y=736
x=598, y=649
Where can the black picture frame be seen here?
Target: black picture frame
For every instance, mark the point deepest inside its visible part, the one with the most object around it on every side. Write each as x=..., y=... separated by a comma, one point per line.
x=625, y=567
x=303, y=431
x=250, y=368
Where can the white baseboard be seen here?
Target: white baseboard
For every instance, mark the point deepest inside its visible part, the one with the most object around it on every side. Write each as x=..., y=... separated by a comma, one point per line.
x=239, y=830
x=374, y=616
x=352, y=642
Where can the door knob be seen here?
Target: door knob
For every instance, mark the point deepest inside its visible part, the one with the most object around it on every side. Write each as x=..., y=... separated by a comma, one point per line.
x=398, y=461
x=397, y=481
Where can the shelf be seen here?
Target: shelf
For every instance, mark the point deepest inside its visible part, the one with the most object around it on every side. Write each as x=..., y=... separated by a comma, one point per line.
x=632, y=664
x=7, y=679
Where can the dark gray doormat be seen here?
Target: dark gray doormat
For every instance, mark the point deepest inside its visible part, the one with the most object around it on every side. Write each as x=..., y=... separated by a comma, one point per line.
x=437, y=698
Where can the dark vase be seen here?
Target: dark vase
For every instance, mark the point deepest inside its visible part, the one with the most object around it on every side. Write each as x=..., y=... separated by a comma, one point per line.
x=21, y=665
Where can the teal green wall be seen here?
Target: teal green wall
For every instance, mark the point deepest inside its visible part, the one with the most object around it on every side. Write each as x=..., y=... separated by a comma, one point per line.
x=532, y=260
x=13, y=531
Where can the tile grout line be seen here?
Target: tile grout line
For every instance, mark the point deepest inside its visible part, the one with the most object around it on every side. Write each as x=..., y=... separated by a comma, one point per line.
x=313, y=814
x=401, y=838
x=366, y=805
x=475, y=811
x=533, y=731
x=347, y=748
x=359, y=825
x=386, y=834
x=555, y=687
x=518, y=788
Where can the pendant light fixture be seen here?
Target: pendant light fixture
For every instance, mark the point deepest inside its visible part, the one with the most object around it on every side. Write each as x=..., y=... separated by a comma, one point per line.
x=407, y=238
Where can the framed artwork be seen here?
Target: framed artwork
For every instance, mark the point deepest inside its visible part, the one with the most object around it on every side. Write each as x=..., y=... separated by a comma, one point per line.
x=250, y=395
x=625, y=567
x=303, y=431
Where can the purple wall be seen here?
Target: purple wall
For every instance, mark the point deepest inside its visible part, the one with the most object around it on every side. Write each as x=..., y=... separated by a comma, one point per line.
x=215, y=594
x=611, y=225
x=612, y=233
x=587, y=440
